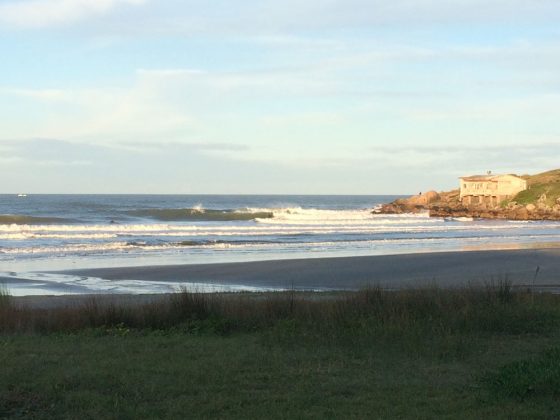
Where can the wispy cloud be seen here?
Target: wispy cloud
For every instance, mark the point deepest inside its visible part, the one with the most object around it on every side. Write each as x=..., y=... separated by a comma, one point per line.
x=46, y=151
x=44, y=13
x=39, y=94
x=275, y=19
x=463, y=159
x=181, y=105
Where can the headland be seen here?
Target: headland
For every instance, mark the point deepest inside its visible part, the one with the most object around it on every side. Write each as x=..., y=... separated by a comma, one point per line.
x=538, y=200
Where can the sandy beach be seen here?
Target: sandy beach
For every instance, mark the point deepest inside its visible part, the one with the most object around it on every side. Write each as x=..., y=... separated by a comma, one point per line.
x=445, y=269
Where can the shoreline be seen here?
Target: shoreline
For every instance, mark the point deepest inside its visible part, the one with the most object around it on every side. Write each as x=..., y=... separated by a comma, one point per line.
x=446, y=269
x=390, y=272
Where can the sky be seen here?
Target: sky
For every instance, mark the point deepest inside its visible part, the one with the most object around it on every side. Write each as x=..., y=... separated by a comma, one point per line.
x=275, y=97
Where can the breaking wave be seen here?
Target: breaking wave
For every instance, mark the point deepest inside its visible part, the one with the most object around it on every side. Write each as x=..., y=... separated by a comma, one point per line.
x=17, y=219
x=248, y=231
x=200, y=214
x=119, y=247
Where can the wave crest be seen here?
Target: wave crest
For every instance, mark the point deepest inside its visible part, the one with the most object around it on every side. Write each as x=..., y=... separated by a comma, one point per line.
x=20, y=219
x=200, y=214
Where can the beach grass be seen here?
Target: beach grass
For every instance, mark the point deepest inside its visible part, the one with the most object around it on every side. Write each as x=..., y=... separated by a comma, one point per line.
x=545, y=185
x=470, y=353
x=5, y=298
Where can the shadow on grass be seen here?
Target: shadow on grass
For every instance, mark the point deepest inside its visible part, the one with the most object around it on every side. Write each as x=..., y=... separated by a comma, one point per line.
x=22, y=404
x=537, y=377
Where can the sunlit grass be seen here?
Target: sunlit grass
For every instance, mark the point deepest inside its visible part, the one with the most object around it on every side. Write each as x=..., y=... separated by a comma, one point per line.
x=5, y=298
x=429, y=353
x=495, y=308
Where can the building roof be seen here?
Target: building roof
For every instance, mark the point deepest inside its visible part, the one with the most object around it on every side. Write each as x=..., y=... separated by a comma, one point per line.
x=479, y=178
x=487, y=178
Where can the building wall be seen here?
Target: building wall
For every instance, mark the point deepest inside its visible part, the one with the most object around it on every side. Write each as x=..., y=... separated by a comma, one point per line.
x=490, y=190
x=511, y=185
x=478, y=188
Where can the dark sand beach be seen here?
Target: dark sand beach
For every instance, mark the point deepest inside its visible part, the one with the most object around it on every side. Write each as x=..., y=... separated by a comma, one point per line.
x=444, y=269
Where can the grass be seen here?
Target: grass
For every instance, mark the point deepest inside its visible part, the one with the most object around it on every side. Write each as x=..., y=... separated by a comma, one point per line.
x=536, y=377
x=5, y=301
x=471, y=353
x=547, y=183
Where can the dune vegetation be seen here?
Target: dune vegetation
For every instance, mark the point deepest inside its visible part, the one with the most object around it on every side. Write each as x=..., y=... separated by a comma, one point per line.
x=545, y=185
x=472, y=353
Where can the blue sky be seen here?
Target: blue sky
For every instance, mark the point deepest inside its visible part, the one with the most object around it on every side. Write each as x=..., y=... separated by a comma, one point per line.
x=308, y=97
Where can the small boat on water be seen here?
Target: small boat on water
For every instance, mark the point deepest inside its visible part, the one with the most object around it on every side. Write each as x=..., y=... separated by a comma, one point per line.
x=22, y=195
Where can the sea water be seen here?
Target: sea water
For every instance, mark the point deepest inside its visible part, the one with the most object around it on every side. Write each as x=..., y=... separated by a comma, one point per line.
x=40, y=233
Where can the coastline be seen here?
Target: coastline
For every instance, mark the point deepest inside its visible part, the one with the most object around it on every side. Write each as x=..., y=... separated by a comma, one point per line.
x=443, y=269
x=453, y=269
x=498, y=197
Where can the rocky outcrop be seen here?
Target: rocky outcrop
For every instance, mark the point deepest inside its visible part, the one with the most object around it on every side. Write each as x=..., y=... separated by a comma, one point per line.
x=447, y=204
x=415, y=204
x=541, y=201
x=518, y=212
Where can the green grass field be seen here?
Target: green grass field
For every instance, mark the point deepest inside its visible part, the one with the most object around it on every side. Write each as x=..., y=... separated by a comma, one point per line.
x=487, y=353
x=547, y=184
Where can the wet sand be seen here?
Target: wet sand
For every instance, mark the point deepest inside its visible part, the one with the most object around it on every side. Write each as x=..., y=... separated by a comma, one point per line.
x=444, y=269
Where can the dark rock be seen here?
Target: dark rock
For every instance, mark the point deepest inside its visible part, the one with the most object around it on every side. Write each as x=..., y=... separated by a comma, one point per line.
x=448, y=205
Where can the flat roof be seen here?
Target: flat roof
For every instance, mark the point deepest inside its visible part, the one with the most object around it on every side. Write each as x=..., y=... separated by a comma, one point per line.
x=480, y=178
x=488, y=178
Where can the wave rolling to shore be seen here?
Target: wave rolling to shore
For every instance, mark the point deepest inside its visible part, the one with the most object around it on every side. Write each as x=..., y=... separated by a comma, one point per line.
x=51, y=234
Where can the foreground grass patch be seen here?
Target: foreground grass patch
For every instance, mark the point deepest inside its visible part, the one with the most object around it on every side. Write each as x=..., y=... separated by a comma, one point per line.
x=150, y=375
x=537, y=377
x=434, y=312
x=409, y=354
x=5, y=299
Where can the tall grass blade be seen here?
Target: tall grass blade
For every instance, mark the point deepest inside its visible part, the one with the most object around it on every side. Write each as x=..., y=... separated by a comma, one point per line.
x=5, y=298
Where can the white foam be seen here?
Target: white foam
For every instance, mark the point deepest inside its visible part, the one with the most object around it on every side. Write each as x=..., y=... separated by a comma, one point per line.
x=285, y=221
x=198, y=209
x=312, y=227
x=41, y=235
x=60, y=284
x=264, y=229
x=461, y=219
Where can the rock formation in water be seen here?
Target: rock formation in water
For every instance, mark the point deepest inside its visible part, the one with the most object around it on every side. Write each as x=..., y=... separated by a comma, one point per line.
x=541, y=201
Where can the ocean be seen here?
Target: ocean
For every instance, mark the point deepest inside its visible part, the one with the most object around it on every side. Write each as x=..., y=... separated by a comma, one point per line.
x=42, y=233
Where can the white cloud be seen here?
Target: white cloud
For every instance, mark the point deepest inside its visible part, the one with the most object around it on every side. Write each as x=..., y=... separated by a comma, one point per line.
x=275, y=21
x=302, y=119
x=270, y=21
x=103, y=114
x=57, y=95
x=530, y=157
x=280, y=114
x=44, y=13
x=536, y=106
x=305, y=80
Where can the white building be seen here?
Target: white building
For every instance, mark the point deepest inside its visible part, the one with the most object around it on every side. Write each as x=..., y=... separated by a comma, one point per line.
x=490, y=189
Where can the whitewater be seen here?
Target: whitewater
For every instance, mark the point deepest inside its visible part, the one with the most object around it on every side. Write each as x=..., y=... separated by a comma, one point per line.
x=50, y=232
